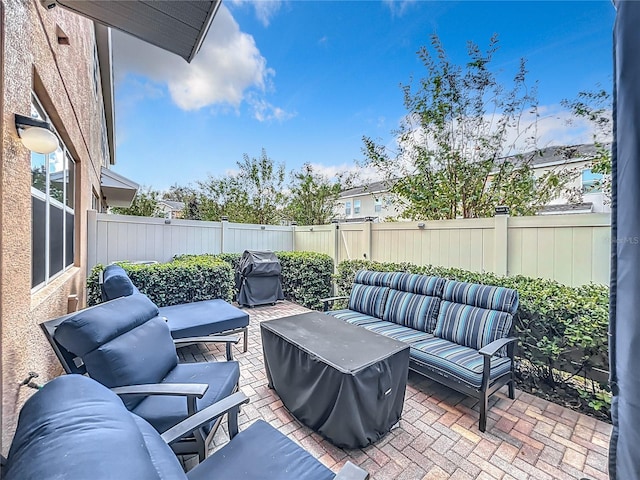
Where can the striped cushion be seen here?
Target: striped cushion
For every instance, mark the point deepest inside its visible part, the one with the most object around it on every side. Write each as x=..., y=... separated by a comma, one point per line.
x=483, y=296
x=471, y=326
x=412, y=310
x=368, y=299
x=457, y=362
x=393, y=330
x=422, y=284
x=351, y=316
x=378, y=279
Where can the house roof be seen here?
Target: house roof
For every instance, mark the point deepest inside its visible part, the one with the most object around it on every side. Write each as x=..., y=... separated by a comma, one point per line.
x=176, y=26
x=374, y=187
x=118, y=191
x=173, y=204
x=586, y=207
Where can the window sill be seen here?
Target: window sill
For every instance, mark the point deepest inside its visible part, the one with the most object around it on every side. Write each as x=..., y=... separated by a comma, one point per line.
x=43, y=294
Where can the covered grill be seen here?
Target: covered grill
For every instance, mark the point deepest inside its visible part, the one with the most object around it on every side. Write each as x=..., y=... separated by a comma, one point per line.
x=258, y=278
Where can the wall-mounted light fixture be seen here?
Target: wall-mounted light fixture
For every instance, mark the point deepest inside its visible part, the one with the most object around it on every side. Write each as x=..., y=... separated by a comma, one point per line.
x=421, y=225
x=262, y=227
x=36, y=135
x=311, y=229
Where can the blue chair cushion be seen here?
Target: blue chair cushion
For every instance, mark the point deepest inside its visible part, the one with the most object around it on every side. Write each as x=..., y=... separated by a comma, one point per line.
x=352, y=316
x=412, y=310
x=470, y=326
x=462, y=364
x=368, y=299
x=261, y=452
x=145, y=354
x=203, y=318
x=88, y=329
x=421, y=284
x=376, y=279
x=163, y=412
x=116, y=283
x=483, y=296
x=393, y=330
x=75, y=428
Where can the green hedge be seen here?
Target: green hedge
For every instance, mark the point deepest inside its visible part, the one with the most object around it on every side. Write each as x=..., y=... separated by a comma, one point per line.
x=183, y=280
x=306, y=276
x=562, y=330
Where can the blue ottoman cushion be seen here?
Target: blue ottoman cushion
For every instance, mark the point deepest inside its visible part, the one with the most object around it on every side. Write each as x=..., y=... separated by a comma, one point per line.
x=203, y=318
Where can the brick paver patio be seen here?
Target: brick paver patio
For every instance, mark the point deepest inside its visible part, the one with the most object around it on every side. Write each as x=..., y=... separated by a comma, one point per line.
x=438, y=436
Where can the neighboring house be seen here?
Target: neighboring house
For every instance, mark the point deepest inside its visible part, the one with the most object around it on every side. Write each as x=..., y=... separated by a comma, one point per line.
x=57, y=97
x=374, y=200
x=170, y=208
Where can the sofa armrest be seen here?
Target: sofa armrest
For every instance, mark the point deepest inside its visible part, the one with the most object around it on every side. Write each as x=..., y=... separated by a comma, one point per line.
x=228, y=339
x=492, y=348
x=329, y=301
x=203, y=417
x=189, y=390
x=351, y=472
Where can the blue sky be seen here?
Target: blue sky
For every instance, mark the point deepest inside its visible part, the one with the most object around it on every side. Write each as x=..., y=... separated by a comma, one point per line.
x=305, y=80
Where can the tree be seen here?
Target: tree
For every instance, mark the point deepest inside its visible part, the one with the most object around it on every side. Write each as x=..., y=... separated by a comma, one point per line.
x=187, y=195
x=254, y=195
x=145, y=204
x=313, y=197
x=456, y=143
x=595, y=108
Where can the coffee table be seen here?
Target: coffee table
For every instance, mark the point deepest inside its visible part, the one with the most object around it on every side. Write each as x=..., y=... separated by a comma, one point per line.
x=343, y=381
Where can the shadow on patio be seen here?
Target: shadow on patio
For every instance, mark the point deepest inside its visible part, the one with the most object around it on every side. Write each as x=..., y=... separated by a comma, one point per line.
x=438, y=436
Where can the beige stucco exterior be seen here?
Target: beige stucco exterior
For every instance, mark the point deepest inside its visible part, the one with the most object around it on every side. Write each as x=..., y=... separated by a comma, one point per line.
x=64, y=79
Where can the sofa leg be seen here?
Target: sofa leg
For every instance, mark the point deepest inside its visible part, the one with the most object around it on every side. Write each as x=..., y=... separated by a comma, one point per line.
x=246, y=336
x=512, y=389
x=484, y=404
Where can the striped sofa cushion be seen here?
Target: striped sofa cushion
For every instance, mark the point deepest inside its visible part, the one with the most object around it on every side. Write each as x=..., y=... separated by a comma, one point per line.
x=471, y=326
x=377, y=279
x=457, y=362
x=483, y=296
x=389, y=329
x=422, y=284
x=353, y=317
x=368, y=299
x=412, y=310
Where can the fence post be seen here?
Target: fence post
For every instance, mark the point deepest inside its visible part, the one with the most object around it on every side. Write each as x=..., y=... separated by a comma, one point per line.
x=92, y=234
x=367, y=237
x=336, y=246
x=224, y=221
x=501, y=241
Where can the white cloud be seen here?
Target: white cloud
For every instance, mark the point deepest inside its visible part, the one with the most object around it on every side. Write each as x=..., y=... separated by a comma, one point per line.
x=357, y=174
x=264, y=9
x=227, y=71
x=398, y=7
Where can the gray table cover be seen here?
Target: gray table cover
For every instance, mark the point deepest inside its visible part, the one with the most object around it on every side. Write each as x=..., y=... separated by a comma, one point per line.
x=341, y=380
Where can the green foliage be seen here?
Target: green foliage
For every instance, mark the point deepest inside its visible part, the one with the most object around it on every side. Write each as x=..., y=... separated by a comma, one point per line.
x=306, y=276
x=183, y=280
x=145, y=204
x=460, y=124
x=562, y=330
x=313, y=197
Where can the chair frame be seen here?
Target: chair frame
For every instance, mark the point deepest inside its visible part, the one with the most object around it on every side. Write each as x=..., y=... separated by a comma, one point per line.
x=199, y=441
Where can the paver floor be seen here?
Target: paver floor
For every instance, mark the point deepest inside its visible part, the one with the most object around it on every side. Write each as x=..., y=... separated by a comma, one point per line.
x=438, y=436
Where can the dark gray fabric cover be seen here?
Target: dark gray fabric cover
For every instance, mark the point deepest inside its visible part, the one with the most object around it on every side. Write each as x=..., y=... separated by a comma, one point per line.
x=343, y=381
x=258, y=278
x=116, y=283
x=203, y=318
x=75, y=429
x=261, y=452
x=624, y=327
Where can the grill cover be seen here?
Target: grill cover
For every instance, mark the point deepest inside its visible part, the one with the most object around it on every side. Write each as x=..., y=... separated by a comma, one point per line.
x=341, y=380
x=258, y=278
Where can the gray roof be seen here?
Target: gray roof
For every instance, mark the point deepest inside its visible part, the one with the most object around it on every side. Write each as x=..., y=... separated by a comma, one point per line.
x=176, y=26
x=373, y=187
x=173, y=204
x=567, y=208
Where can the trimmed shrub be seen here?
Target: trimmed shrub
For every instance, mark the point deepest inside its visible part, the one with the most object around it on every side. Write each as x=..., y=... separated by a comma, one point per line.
x=306, y=277
x=183, y=280
x=562, y=330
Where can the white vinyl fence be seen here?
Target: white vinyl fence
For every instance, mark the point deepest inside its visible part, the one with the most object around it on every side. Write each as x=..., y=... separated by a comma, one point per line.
x=123, y=237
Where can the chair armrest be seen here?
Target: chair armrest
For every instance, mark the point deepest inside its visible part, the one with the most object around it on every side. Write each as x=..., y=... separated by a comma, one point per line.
x=492, y=348
x=330, y=300
x=203, y=417
x=171, y=389
x=351, y=472
x=228, y=339
x=209, y=339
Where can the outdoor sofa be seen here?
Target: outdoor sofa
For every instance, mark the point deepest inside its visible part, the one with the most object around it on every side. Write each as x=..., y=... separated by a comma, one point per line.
x=458, y=332
x=76, y=429
x=195, y=319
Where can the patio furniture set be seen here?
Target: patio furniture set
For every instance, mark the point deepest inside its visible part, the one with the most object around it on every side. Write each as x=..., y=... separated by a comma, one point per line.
x=340, y=379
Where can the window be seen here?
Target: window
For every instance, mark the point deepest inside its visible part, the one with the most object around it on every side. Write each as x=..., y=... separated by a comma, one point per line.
x=377, y=206
x=347, y=208
x=356, y=206
x=591, y=182
x=52, y=209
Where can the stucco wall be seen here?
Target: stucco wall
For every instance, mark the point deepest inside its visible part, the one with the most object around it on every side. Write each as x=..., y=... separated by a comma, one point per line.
x=63, y=78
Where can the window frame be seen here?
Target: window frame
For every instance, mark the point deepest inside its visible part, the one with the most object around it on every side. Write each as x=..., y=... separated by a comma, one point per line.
x=69, y=195
x=594, y=184
x=347, y=208
x=357, y=206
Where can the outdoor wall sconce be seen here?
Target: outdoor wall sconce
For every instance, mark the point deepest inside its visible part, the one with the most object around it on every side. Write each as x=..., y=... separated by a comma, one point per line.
x=224, y=218
x=311, y=229
x=36, y=135
x=421, y=225
x=262, y=227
